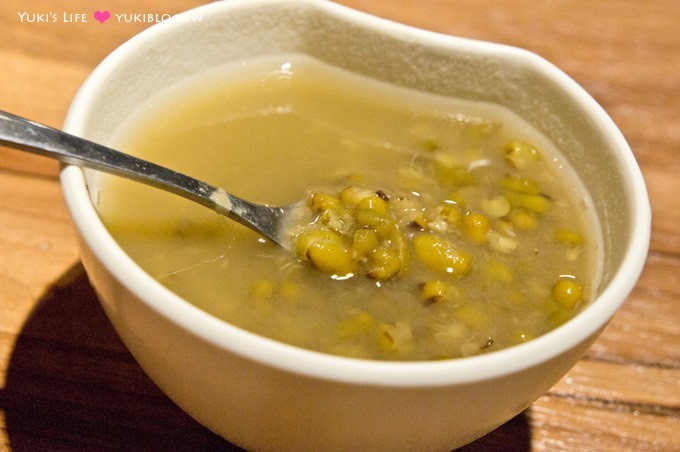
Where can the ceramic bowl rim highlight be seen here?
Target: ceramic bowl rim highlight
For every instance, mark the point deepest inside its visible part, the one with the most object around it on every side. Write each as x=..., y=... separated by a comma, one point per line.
x=349, y=370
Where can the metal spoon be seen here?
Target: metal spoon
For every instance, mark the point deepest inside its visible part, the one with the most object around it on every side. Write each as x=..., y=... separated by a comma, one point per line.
x=25, y=135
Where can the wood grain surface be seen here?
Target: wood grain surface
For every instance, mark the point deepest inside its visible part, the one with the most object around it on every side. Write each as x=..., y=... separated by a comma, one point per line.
x=67, y=382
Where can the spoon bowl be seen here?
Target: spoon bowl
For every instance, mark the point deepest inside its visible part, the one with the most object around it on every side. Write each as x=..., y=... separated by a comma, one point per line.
x=26, y=135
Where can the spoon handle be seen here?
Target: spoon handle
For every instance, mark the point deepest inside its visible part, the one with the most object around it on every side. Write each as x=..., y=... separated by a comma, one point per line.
x=26, y=135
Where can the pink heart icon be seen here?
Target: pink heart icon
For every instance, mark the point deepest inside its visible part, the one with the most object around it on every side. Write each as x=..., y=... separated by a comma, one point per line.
x=102, y=16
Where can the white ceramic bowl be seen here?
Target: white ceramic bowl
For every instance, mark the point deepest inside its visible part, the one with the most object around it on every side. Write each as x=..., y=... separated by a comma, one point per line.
x=265, y=395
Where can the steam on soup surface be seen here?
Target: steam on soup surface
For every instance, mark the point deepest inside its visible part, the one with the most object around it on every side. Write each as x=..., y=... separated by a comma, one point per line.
x=438, y=228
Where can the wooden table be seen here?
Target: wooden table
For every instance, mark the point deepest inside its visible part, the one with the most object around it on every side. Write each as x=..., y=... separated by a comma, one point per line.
x=69, y=384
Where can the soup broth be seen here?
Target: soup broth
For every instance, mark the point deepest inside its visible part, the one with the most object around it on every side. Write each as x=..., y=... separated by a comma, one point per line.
x=493, y=239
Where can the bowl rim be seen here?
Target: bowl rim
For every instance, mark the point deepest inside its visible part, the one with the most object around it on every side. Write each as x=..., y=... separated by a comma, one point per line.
x=296, y=360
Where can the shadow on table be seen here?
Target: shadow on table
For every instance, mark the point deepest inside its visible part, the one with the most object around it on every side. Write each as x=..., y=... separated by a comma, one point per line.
x=72, y=385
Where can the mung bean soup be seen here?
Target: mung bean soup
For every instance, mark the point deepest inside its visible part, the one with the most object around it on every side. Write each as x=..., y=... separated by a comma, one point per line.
x=433, y=228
